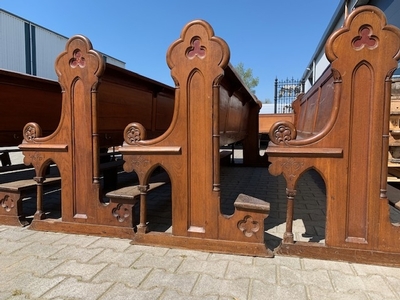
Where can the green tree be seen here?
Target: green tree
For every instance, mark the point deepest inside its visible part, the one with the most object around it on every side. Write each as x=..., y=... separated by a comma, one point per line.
x=247, y=76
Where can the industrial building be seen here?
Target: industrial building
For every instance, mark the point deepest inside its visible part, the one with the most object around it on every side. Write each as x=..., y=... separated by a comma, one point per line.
x=29, y=48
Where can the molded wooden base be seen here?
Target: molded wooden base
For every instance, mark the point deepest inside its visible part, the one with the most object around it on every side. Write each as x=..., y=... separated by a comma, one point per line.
x=13, y=220
x=211, y=245
x=56, y=225
x=320, y=251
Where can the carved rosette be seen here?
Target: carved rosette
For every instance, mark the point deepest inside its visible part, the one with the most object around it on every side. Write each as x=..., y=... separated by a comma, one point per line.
x=282, y=132
x=7, y=203
x=31, y=131
x=120, y=212
x=248, y=226
x=134, y=133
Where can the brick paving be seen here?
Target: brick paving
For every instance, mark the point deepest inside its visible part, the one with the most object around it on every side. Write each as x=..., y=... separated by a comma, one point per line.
x=47, y=265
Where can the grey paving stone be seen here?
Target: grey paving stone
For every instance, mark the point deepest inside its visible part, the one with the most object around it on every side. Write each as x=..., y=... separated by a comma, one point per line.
x=131, y=277
x=394, y=285
x=13, y=233
x=265, y=273
x=77, y=270
x=191, y=264
x=199, y=255
x=320, y=278
x=122, y=259
x=76, y=253
x=181, y=283
x=78, y=240
x=8, y=260
x=120, y=291
x=375, y=284
x=317, y=264
x=316, y=293
x=173, y=295
x=34, y=265
x=157, y=251
x=38, y=249
x=346, y=283
x=364, y=269
x=261, y=290
x=111, y=243
x=32, y=286
x=379, y=296
x=208, y=285
x=159, y=262
x=9, y=247
x=229, y=257
x=72, y=288
x=45, y=238
x=291, y=262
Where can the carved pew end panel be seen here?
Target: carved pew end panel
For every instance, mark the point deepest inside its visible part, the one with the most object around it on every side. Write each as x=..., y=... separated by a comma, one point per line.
x=342, y=131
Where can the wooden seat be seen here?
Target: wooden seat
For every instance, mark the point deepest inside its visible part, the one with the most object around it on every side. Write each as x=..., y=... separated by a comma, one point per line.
x=11, y=195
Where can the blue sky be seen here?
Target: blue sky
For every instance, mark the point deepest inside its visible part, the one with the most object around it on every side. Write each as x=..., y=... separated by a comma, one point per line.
x=273, y=38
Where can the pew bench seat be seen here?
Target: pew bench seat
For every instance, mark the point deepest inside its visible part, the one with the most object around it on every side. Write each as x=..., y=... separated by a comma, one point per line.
x=131, y=194
x=11, y=195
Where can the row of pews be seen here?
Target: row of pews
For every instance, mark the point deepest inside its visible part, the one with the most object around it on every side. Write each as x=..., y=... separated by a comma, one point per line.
x=340, y=128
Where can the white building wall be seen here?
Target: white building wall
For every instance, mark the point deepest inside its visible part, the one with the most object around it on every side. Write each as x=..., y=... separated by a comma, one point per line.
x=12, y=43
x=48, y=46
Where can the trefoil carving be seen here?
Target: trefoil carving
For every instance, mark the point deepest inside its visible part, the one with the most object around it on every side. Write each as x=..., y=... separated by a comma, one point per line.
x=196, y=49
x=78, y=60
x=365, y=39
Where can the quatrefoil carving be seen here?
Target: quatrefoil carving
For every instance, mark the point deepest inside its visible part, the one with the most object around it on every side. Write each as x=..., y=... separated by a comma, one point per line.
x=248, y=226
x=365, y=39
x=196, y=49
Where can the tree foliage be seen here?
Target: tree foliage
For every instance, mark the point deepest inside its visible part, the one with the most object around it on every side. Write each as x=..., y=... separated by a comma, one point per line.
x=247, y=76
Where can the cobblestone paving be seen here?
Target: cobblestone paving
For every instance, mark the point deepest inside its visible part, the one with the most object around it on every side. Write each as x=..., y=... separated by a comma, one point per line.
x=46, y=265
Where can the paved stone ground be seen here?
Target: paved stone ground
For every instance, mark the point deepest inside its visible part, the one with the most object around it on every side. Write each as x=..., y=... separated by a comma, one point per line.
x=46, y=265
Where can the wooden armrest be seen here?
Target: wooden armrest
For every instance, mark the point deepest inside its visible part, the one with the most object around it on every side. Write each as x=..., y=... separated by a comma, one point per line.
x=304, y=152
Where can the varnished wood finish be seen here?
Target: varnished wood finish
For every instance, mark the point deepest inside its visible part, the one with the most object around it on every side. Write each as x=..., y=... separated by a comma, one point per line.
x=212, y=108
x=267, y=120
x=343, y=133
x=25, y=98
x=93, y=115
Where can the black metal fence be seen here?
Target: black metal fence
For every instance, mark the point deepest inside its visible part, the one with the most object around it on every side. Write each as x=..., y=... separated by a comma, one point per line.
x=285, y=92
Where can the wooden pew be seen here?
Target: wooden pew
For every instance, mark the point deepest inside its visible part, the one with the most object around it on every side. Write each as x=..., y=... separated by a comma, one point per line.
x=213, y=108
x=25, y=98
x=21, y=96
x=341, y=130
x=267, y=120
x=98, y=100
